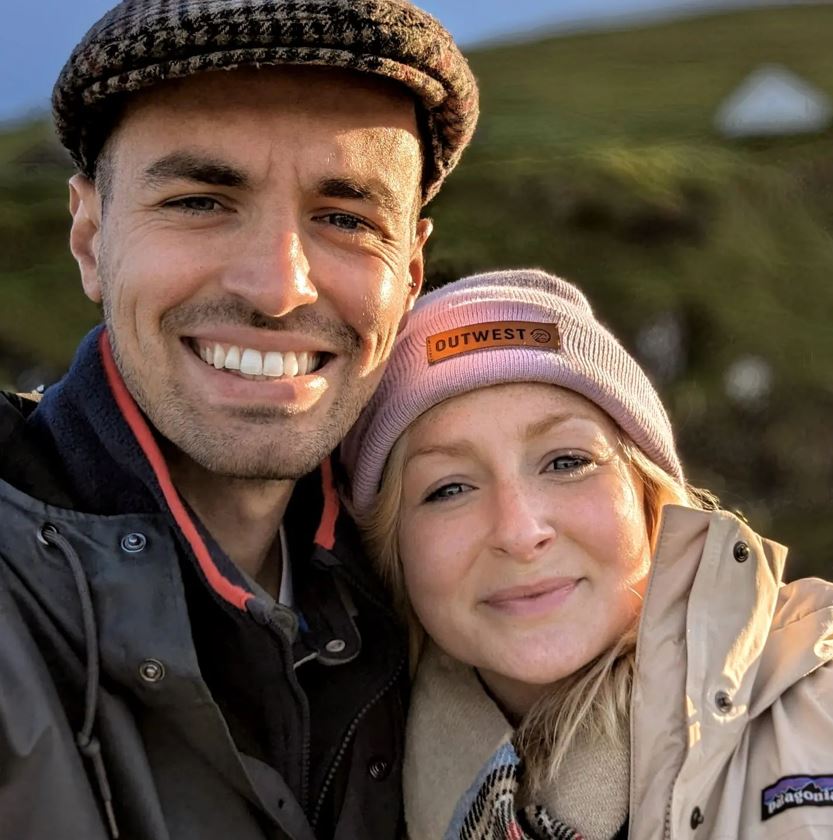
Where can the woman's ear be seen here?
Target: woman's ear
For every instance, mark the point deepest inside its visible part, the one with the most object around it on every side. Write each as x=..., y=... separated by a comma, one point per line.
x=85, y=208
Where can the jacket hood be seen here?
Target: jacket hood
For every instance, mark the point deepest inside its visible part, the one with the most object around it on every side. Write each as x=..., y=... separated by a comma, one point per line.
x=746, y=625
x=799, y=642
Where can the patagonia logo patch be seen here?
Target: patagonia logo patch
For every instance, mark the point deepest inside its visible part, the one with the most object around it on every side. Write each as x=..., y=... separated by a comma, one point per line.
x=796, y=792
x=492, y=335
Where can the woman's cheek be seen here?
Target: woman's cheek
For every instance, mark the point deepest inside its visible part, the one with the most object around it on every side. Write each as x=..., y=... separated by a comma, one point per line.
x=424, y=579
x=435, y=591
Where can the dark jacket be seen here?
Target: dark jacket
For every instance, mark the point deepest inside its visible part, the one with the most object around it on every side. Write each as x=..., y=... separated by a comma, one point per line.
x=145, y=689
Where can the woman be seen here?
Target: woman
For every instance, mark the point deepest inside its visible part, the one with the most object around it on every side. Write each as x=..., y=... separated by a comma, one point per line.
x=601, y=651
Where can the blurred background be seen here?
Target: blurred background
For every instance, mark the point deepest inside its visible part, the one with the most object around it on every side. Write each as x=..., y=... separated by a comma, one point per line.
x=674, y=159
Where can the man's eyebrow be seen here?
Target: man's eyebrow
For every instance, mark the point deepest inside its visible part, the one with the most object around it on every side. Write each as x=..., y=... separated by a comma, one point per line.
x=373, y=191
x=189, y=166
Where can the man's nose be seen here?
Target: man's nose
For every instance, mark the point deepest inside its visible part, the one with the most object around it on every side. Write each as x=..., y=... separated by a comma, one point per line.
x=274, y=276
x=523, y=526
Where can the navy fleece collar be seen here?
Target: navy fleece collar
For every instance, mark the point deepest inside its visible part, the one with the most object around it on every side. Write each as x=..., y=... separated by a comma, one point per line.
x=103, y=463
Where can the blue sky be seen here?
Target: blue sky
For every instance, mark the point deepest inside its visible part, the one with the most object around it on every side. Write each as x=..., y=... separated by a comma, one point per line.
x=37, y=35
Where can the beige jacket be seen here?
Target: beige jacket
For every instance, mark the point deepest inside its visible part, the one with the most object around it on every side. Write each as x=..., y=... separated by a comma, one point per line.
x=733, y=694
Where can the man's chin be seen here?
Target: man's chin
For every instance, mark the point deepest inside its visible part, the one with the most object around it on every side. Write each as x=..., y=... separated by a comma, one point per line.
x=278, y=459
x=253, y=442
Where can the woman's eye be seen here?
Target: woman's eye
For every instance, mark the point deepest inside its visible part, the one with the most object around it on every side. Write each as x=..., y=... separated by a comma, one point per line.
x=195, y=204
x=446, y=492
x=569, y=463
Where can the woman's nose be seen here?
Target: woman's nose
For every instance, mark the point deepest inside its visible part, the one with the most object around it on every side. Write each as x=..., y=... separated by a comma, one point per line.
x=523, y=526
x=274, y=277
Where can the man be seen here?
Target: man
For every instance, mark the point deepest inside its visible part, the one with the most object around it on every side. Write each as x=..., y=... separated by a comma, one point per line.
x=191, y=645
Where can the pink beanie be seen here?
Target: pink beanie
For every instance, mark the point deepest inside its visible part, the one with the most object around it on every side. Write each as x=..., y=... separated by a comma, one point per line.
x=488, y=329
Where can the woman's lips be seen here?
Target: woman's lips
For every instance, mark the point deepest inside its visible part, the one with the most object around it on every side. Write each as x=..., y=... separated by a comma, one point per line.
x=532, y=599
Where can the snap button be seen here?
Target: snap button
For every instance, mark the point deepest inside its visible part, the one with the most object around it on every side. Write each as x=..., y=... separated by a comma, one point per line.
x=134, y=543
x=335, y=646
x=741, y=552
x=697, y=818
x=379, y=769
x=723, y=702
x=152, y=670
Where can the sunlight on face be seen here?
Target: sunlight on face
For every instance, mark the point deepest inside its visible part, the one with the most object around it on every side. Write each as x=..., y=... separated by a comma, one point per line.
x=270, y=211
x=523, y=535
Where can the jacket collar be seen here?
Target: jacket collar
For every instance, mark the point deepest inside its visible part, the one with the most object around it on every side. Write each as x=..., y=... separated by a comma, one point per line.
x=458, y=739
x=454, y=729
x=80, y=420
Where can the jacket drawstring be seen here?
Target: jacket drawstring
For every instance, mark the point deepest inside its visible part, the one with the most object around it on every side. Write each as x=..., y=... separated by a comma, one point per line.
x=88, y=745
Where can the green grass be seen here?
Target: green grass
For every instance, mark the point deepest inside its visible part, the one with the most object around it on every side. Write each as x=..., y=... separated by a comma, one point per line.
x=660, y=81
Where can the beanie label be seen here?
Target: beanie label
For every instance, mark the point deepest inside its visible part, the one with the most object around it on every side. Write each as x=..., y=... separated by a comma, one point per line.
x=490, y=336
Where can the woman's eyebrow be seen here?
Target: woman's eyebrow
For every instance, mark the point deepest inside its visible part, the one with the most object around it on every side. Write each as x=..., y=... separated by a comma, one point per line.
x=463, y=448
x=548, y=423
x=453, y=449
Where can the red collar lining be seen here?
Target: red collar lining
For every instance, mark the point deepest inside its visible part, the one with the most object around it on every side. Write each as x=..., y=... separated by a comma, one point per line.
x=325, y=536
x=236, y=595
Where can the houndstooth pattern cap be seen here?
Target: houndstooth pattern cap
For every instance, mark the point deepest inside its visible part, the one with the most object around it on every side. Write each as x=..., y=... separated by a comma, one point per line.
x=140, y=43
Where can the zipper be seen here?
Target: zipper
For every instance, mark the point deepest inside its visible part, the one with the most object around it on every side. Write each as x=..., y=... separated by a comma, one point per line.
x=340, y=569
x=301, y=698
x=666, y=831
x=348, y=737
x=305, y=762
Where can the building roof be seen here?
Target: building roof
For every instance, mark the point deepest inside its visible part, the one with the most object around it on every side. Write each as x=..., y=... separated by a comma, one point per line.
x=773, y=101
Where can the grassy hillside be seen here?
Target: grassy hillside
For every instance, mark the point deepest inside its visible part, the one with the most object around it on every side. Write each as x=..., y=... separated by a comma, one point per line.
x=596, y=158
x=641, y=86
x=42, y=312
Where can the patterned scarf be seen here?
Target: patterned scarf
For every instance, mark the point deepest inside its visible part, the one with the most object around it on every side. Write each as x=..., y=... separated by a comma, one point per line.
x=488, y=810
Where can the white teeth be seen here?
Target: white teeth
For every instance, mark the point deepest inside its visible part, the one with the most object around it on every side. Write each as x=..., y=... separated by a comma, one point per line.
x=255, y=363
x=290, y=364
x=251, y=362
x=232, y=359
x=273, y=364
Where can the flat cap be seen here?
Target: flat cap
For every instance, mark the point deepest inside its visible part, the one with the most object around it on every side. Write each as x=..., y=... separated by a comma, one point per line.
x=140, y=43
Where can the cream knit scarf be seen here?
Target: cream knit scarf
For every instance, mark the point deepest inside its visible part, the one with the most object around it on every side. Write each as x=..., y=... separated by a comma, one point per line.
x=460, y=775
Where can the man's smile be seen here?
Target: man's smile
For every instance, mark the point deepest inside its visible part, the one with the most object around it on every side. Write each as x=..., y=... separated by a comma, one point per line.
x=253, y=363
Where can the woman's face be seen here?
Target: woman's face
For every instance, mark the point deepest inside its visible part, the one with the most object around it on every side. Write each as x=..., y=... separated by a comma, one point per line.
x=522, y=534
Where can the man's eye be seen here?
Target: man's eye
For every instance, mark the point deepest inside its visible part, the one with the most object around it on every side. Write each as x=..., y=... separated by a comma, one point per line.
x=195, y=204
x=447, y=491
x=346, y=221
x=569, y=463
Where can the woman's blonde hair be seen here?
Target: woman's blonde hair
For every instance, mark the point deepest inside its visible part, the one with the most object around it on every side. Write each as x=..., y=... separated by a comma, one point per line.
x=594, y=701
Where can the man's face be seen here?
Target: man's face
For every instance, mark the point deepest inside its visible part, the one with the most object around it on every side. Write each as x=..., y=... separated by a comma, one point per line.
x=257, y=251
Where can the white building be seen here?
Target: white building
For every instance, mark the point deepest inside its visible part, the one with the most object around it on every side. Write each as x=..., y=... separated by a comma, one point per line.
x=773, y=101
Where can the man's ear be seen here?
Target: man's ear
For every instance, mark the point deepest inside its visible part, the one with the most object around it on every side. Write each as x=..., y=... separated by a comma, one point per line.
x=85, y=208
x=416, y=267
